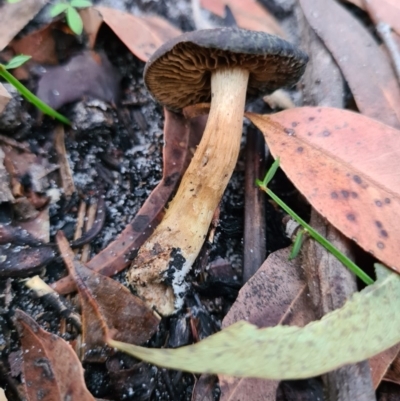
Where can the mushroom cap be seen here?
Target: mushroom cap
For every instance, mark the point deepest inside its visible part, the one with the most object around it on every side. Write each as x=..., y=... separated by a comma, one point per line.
x=178, y=73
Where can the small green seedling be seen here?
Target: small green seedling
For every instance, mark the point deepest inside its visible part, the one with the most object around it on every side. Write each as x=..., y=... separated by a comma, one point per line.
x=15, y=62
x=74, y=20
x=310, y=231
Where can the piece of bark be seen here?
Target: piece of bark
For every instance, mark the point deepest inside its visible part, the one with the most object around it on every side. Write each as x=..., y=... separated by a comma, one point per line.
x=330, y=283
x=254, y=215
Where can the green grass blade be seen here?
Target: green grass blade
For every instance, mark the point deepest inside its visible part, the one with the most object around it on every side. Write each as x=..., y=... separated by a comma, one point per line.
x=30, y=97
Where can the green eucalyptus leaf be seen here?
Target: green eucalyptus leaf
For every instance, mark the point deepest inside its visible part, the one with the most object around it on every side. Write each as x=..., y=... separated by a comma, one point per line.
x=74, y=21
x=58, y=9
x=366, y=325
x=13, y=1
x=81, y=3
x=17, y=61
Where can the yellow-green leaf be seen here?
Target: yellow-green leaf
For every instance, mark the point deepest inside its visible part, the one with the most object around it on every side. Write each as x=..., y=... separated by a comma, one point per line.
x=367, y=324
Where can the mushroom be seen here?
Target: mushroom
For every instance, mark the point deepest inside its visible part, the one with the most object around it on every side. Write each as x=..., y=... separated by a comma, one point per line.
x=223, y=65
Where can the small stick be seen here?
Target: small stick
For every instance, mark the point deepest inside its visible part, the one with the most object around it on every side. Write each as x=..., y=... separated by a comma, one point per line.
x=91, y=216
x=50, y=297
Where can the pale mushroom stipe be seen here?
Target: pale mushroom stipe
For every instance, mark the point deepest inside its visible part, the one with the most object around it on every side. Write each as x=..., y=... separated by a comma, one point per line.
x=224, y=66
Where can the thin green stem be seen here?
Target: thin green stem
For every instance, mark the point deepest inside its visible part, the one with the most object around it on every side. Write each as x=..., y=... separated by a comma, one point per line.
x=30, y=97
x=319, y=238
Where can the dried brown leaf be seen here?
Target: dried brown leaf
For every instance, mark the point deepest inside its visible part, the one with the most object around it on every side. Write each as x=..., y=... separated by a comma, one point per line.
x=141, y=35
x=380, y=364
x=87, y=74
x=14, y=16
x=51, y=369
x=108, y=308
x=364, y=64
x=248, y=14
x=276, y=294
x=40, y=44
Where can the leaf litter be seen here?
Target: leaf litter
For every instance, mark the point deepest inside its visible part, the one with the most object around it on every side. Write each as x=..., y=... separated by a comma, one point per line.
x=136, y=103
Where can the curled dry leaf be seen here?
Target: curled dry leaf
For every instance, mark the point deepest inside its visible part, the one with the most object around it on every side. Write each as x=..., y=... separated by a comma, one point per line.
x=51, y=369
x=380, y=364
x=118, y=255
x=248, y=14
x=108, y=308
x=366, y=325
x=14, y=16
x=364, y=64
x=276, y=294
x=87, y=74
x=141, y=35
x=343, y=164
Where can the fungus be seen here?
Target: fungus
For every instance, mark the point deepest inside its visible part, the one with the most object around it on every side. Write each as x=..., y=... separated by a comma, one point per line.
x=224, y=66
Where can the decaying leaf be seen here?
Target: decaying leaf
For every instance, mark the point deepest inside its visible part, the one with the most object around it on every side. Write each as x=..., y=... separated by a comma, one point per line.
x=366, y=325
x=343, y=163
x=51, y=369
x=380, y=364
x=141, y=35
x=118, y=255
x=276, y=294
x=87, y=74
x=14, y=16
x=248, y=14
x=4, y=97
x=108, y=308
x=364, y=64
x=40, y=44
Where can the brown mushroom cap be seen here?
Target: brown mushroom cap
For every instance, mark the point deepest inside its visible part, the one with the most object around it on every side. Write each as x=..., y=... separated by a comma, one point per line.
x=178, y=73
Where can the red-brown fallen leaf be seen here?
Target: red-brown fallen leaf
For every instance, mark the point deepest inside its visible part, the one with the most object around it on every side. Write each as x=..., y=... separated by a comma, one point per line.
x=345, y=165
x=276, y=294
x=380, y=364
x=51, y=369
x=118, y=255
x=384, y=11
x=141, y=35
x=364, y=64
x=40, y=44
x=393, y=373
x=108, y=308
x=249, y=14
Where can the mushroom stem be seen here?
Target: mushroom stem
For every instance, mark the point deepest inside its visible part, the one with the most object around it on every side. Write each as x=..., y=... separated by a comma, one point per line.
x=173, y=247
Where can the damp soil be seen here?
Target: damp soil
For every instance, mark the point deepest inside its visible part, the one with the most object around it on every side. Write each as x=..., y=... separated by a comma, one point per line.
x=116, y=152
